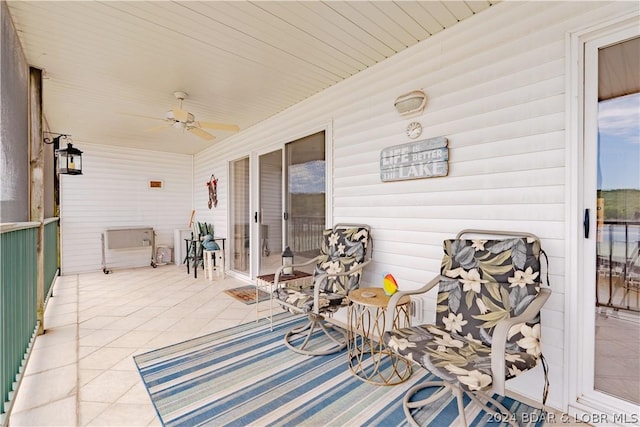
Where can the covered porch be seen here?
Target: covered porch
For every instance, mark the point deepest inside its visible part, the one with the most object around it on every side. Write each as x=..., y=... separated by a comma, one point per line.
x=513, y=88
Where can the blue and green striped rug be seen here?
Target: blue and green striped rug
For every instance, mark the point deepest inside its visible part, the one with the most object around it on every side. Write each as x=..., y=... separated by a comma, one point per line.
x=245, y=376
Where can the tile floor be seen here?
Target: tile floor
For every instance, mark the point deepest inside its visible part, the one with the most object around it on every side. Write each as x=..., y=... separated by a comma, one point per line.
x=81, y=371
x=617, y=365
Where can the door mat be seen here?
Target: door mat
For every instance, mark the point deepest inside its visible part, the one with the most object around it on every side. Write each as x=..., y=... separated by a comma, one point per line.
x=247, y=294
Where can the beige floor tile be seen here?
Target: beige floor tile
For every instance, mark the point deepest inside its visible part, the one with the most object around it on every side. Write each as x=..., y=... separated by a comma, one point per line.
x=108, y=387
x=134, y=339
x=46, y=387
x=137, y=395
x=60, y=320
x=57, y=336
x=124, y=414
x=126, y=364
x=617, y=365
x=43, y=358
x=105, y=358
x=85, y=376
x=98, y=337
x=98, y=322
x=158, y=324
x=58, y=413
x=169, y=338
x=128, y=323
x=89, y=410
x=63, y=306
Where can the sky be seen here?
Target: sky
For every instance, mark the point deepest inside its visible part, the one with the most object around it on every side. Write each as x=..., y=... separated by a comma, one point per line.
x=619, y=143
x=307, y=177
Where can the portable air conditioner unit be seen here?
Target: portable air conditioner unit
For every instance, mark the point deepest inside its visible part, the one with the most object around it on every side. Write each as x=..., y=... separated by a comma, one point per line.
x=163, y=255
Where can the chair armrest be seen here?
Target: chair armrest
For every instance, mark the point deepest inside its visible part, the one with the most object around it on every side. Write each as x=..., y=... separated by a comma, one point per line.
x=393, y=302
x=321, y=277
x=499, y=340
x=279, y=270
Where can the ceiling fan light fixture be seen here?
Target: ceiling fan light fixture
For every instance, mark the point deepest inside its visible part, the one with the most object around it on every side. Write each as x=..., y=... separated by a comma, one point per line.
x=170, y=115
x=178, y=118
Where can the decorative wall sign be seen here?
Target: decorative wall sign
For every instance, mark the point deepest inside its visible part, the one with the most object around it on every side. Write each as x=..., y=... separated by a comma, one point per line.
x=212, y=185
x=427, y=158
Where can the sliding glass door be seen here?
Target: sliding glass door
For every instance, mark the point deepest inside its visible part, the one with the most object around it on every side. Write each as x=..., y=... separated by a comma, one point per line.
x=270, y=213
x=617, y=308
x=291, y=202
x=240, y=216
x=305, y=195
x=608, y=334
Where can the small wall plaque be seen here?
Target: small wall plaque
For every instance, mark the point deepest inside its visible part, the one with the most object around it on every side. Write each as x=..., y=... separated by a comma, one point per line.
x=427, y=158
x=155, y=184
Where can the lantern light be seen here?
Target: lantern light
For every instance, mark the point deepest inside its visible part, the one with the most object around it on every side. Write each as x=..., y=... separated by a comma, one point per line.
x=287, y=262
x=69, y=160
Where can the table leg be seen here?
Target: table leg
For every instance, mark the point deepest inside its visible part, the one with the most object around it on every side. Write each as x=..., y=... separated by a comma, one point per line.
x=195, y=260
x=186, y=258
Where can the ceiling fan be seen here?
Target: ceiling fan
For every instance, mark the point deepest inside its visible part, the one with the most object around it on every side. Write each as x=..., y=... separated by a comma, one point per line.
x=181, y=119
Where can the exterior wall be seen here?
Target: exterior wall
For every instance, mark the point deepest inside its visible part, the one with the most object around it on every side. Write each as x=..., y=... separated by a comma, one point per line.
x=14, y=132
x=114, y=192
x=496, y=88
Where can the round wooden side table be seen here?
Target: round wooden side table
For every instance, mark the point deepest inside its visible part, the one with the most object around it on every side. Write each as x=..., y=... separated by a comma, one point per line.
x=369, y=358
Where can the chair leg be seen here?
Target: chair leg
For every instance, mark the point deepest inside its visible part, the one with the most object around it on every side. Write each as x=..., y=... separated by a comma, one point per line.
x=480, y=399
x=501, y=411
x=316, y=322
x=445, y=389
x=459, y=398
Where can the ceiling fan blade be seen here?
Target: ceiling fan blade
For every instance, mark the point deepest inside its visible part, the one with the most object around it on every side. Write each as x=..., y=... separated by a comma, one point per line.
x=157, y=128
x=140, y=115
x=180, y=115
x=199, y=132
x=219, y=126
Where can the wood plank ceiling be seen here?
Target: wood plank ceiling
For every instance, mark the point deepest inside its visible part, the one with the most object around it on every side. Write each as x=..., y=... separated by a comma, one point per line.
x=111, y=67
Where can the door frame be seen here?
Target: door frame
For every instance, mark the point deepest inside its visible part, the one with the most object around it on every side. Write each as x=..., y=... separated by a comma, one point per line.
x=254, y=202
x=582, y=400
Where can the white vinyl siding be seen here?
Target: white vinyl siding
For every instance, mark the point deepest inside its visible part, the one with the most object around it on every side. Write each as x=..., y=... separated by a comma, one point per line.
x=496, y=89
x=114, y=192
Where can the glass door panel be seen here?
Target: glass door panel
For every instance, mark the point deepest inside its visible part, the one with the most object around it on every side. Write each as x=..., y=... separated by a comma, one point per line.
x=617, y=325
x=240, y=216
x=305, y=191
x=270, y=214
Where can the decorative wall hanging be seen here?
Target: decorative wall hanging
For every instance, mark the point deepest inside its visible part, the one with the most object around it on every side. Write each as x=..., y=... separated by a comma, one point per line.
x=427, y=158
x=212, y=185
x=414, y=130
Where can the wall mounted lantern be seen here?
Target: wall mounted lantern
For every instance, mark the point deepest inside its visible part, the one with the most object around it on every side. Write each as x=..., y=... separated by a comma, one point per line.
x=68, y=160
x=287, y=262
x=410, y=103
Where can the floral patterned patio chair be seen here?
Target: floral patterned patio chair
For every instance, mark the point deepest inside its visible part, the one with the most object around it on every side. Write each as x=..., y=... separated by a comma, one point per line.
x=487, y=327
x=344, y=253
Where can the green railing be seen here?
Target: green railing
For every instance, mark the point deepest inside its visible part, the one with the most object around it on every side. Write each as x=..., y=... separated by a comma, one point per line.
x=51, y=259
x=18, y=303
x=19, y=298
